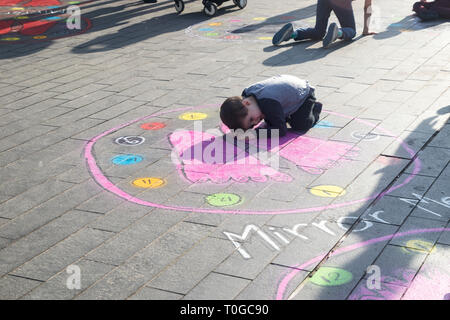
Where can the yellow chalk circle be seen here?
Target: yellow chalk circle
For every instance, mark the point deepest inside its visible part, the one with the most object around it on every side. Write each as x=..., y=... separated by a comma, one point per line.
x=419, y=246
x=149, y=182
x=10, y=39
x=17, y=9
x=327, y=191
x=215, y=24
x=264, y=38
x=259, y=19
x=193, y=116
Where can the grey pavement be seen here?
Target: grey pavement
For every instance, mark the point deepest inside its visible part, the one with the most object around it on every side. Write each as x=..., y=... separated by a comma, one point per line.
x=93, y=205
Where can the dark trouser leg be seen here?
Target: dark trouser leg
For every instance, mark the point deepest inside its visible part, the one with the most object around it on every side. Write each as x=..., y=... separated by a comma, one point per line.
x=344, y=12
x=323, y=11
x=306, y=116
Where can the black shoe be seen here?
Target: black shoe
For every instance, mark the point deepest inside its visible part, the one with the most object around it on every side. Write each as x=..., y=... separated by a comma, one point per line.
x=331, y=36
x=284, y=34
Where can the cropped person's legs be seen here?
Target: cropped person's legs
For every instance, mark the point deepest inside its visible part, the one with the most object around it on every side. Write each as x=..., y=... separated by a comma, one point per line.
x=323, y=11
x=287, y=32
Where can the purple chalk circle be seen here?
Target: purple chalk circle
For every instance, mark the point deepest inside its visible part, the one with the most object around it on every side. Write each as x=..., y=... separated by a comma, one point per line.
x=130, y=140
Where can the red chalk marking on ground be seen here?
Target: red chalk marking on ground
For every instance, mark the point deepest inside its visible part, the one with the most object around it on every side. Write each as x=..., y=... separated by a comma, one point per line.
x=152, y=125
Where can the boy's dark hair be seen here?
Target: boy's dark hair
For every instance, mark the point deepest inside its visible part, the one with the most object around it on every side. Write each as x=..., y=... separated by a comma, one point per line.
x=232, y=112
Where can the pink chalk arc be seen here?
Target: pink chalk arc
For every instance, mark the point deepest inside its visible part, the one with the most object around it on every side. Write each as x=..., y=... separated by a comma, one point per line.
x=105, y=183
x=288, y=276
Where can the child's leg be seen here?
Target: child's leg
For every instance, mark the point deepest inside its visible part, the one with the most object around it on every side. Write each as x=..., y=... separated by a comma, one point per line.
x=306, y=116
x=344, y=12
x=323, y=11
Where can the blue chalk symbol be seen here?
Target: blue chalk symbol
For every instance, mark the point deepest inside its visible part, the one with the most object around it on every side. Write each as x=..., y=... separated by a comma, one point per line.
x=126, y=159
x=323, y=124
x=53, y=18
x=206, y=29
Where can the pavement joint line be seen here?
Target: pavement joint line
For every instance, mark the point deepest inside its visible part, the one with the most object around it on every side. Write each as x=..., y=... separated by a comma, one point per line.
x=231, y=275
x=199, y=223
x=23, y=277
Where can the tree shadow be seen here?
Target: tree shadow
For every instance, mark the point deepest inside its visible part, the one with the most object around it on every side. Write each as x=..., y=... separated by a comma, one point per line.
x=398, y=249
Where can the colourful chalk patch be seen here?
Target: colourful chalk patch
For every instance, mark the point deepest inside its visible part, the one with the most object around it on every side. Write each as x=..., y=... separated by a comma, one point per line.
x=215, y=24
x=152, y=125
x=206, y=29
x=259, y=19
x=193, y=116
x=232, y=37
x=418, y=246
x=18, y=9
x=223, y=199
x=149, y=182
x=323, y=124
x=330, y=277
x=126, y=159
x=264, y=38
x=39, y=37
x=53, y=18
x=22, y=17
x=327, y=191
x=212, y=34
x=130, y=140
x=10, y=39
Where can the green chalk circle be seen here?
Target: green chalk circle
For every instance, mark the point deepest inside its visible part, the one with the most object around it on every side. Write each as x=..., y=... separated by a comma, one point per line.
x=329, y=277
x=223, y=199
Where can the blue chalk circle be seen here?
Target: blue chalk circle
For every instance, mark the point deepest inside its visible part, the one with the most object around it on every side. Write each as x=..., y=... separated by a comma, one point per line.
x=323, y=124
x=53, y=7
x=53, y=18
x=126, y=159
x=206, y=29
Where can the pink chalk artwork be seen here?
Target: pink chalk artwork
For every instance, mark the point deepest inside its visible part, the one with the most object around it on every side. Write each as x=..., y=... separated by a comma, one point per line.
x=428, y=284
x=306, y=152
x=235, y=164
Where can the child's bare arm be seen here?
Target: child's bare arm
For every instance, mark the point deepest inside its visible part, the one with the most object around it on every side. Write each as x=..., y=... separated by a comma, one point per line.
x=367, y=15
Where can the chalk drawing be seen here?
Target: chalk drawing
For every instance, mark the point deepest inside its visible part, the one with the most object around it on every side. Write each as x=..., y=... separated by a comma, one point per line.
x=149, y=182
x=223, y=199
x=193, y=116
x=130, y=140
x=327, y=191
x=104, y=182
x=152, y=125
x=428, y=284
x=127, y=159
x=294, y=270
x=419, y=246
x=235, y=164
x=330, y=276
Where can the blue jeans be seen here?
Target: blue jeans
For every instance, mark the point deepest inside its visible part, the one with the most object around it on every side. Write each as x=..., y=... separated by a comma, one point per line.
x=343, y=11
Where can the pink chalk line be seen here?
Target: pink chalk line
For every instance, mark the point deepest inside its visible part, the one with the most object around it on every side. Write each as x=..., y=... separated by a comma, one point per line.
x=103, y=181
x=290, y=275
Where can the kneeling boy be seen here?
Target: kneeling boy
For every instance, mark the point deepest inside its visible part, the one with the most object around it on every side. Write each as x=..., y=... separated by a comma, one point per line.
x=277, y=100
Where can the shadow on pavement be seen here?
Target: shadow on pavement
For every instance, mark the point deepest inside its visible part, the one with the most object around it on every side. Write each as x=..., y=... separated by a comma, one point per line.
x=400, y=250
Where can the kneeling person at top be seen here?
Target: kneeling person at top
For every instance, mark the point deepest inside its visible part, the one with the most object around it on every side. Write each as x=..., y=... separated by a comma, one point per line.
x=277, y=100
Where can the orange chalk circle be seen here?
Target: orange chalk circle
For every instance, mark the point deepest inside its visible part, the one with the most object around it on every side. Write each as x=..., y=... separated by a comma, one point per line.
x=149, y=182
x=39, y=37
x=327, y=191
x=152, y=125
x=215, y=24
x=193, y=116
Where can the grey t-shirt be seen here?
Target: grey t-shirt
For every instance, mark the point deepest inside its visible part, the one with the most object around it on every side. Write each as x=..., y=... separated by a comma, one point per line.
x=278, y=97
